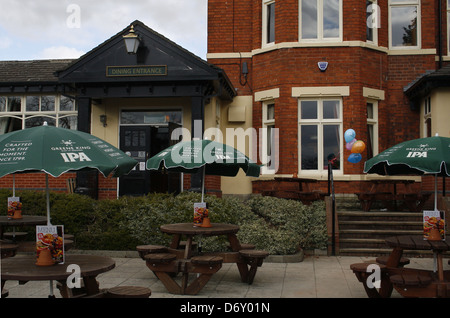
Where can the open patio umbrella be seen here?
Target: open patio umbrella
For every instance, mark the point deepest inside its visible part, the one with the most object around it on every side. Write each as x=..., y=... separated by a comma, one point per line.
x=213, y=157
x=414, y=157
x=57, y=150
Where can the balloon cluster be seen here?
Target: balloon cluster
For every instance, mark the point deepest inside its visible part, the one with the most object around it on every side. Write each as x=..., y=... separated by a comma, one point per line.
x=355, y=146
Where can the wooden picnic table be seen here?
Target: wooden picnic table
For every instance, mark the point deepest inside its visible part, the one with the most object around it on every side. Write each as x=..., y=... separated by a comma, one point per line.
x=302, y=189
x=409, y=282
x=167, y=262
x=24, y=269
x=386, y=191
x=26, y=220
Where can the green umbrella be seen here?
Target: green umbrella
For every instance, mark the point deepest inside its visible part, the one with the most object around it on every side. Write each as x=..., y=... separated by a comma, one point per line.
x=212, y=157
x=57, y=150
x=414, y=157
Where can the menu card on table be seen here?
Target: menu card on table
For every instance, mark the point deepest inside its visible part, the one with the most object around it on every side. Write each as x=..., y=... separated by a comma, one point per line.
x=51, y=237
x=433, y=219
x=14, y=205
x=200, y=212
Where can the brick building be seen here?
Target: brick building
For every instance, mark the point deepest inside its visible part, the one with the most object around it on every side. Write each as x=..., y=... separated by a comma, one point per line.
x=371, y=54
x=304, y=70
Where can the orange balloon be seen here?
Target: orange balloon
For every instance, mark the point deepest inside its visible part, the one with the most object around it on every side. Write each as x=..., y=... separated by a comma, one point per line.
x=358, y=146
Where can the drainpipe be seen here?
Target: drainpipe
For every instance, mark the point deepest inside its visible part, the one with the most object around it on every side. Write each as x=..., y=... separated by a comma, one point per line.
x=440, y=33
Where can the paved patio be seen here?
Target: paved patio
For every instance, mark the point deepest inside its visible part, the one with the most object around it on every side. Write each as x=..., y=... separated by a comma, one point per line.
x=314, y=277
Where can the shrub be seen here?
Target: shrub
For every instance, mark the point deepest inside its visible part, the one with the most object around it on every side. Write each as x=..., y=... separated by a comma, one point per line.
x=276, y=225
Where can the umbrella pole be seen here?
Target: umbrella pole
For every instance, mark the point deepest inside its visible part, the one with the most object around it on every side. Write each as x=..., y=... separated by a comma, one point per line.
x=203, y=182
x=14, y=185
x=48, y=199
x=435, y=192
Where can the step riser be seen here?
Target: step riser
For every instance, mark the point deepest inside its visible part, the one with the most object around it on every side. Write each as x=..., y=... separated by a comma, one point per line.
x=364, y=233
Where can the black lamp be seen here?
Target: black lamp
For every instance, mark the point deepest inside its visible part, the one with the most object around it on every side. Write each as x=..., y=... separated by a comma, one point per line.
x=131, y=41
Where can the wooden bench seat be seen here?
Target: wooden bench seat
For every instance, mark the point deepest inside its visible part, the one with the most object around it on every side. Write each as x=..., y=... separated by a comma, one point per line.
x=128, y=292
x=410, y=280
x=383, y=260
x=8, y=250
x=150, y=249
x=160, y=258
x=362, y=274
x=253, y=258
x=206, y=260
x=15, y=235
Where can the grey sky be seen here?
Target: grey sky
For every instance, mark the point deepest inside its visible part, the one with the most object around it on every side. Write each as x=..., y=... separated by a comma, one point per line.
x=43, y=29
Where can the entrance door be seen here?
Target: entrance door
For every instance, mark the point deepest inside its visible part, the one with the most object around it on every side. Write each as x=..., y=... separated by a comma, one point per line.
x=135, y=141
x=141, y=143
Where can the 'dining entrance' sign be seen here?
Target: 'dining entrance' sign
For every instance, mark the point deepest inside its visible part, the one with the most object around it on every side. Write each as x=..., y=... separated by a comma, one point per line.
x=141, y=70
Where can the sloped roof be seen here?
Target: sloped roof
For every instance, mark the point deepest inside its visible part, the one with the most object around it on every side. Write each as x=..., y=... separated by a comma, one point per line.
x=31, y=71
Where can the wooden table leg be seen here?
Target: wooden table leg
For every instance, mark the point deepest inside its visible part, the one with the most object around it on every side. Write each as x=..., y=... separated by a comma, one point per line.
x=175, y=241
x=91, y=285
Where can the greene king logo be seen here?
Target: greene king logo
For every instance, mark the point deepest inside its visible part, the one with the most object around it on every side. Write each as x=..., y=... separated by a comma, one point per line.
x=419, y=152
x=71, y=153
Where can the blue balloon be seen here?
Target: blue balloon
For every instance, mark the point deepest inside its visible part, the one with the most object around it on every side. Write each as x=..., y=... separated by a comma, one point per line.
x=354, y=158
x=349, y=135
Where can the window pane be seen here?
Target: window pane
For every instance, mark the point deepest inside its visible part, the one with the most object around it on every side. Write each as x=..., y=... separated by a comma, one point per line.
x=14, y=104
x=309, y=110
x=8, y=124
x=270, y=142
x=309, y=19
x=69, y=122
x=47, y=103
x=369, y=29
x=330, y=18
x=331, y=142
x=66, y=104
x=2, y=104
x=150, y=117
x=404, y=26
x=369, y=111
x=331, y=109
x=271, y=23
x=309, y=154
x=32, y=104
x=39, y=121
x=271, y=112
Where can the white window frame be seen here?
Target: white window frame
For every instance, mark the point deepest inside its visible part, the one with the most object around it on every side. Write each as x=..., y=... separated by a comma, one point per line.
x=23, y=114
x=265, y=26
x=374, y=123
x=374, y=22
x=320, y=122
x=448, y=27
x=406, y=3
x=320, y=23
x=268, y=122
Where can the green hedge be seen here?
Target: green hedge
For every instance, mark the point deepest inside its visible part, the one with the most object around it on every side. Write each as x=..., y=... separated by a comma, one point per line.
x=276, y=225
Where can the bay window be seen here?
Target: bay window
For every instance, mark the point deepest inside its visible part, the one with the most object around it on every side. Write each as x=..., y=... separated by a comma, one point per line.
x=19, y=112
x=404, y=24
x=321, y=20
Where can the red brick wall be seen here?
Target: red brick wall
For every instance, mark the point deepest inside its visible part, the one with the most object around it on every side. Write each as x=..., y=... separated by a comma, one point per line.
x=232, y=29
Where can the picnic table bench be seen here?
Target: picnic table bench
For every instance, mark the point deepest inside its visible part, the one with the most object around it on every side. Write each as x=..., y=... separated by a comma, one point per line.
x=167, y=262
x=412, y=201
x=409, y=282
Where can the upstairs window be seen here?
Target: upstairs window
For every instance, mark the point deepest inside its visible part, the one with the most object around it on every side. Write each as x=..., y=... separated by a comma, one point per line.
x=372, y=21
x=321, y=20
x=448, y=27
x=268, y=35
x=404, y=29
